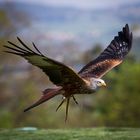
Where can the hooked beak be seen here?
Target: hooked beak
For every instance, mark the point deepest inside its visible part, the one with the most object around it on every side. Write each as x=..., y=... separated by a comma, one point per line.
x=104, y=84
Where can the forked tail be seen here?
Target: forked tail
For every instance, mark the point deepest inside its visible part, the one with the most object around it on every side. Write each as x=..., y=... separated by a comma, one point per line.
x=47, y=94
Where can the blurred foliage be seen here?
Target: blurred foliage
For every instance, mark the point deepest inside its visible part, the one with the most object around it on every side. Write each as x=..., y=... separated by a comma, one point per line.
x=117, y=105
x=11, y=20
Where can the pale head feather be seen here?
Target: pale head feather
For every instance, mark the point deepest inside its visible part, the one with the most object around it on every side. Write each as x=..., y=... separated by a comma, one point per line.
x=96, y=82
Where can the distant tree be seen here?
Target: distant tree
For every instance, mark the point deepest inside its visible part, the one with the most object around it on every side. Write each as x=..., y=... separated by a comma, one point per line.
x=11, y=21
x=118, y=105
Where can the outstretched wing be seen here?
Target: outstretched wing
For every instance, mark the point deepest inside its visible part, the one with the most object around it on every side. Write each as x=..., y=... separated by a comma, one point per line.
x=57, y=72
x=111, y=56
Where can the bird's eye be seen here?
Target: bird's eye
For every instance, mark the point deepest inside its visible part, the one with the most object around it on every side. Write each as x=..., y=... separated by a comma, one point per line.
x=99, y=82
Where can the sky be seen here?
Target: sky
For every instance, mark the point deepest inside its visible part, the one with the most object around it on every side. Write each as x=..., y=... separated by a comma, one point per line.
x=87, y=28
x=84, y=4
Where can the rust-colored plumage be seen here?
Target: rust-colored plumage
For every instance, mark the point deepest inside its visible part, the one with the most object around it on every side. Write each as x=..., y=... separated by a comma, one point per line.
x=111, y=56
x=69, y=82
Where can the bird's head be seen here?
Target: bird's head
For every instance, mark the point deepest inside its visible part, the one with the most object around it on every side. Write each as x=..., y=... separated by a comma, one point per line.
x=97, y=83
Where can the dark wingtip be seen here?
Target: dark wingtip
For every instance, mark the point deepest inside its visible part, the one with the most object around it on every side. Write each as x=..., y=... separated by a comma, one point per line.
x=127, y=26
x=128, y=36
x=5, y=46
x=9, y=42
x=18, y=38
x=20, y=41
x=127, y=33
x=127, y=29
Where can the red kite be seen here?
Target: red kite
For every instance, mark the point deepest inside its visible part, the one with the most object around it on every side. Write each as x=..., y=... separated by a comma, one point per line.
x=69, y=82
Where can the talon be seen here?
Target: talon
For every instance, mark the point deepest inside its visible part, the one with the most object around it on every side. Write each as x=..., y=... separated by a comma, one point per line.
x=67, y=109
x=64, y=98
x=75, y=100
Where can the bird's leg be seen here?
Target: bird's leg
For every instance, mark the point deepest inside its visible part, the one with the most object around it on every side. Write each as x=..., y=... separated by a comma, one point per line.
x=67, y=108
x=64, y=98
x=75, y=100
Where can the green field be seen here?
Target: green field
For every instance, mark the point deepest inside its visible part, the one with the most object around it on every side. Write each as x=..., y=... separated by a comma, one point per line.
x=72, y=134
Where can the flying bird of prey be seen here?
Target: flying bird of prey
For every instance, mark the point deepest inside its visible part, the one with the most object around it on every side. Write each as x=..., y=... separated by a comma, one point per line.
x=67, y=81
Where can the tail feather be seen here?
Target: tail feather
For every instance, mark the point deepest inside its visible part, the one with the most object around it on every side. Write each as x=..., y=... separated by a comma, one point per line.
x=47, y=94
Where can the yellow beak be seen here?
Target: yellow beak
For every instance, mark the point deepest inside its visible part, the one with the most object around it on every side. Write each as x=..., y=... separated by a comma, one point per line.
x=104, y=84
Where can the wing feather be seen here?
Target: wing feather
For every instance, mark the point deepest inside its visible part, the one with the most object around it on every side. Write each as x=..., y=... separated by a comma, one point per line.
x=112, y=56
x=58, y=73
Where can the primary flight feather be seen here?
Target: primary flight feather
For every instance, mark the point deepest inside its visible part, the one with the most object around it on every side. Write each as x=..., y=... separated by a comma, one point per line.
x=69, y=82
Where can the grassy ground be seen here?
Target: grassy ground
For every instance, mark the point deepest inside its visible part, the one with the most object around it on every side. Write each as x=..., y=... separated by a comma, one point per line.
x=72, y=134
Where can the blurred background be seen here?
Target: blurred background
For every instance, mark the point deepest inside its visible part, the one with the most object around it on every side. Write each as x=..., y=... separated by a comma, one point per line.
x=73, y=32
